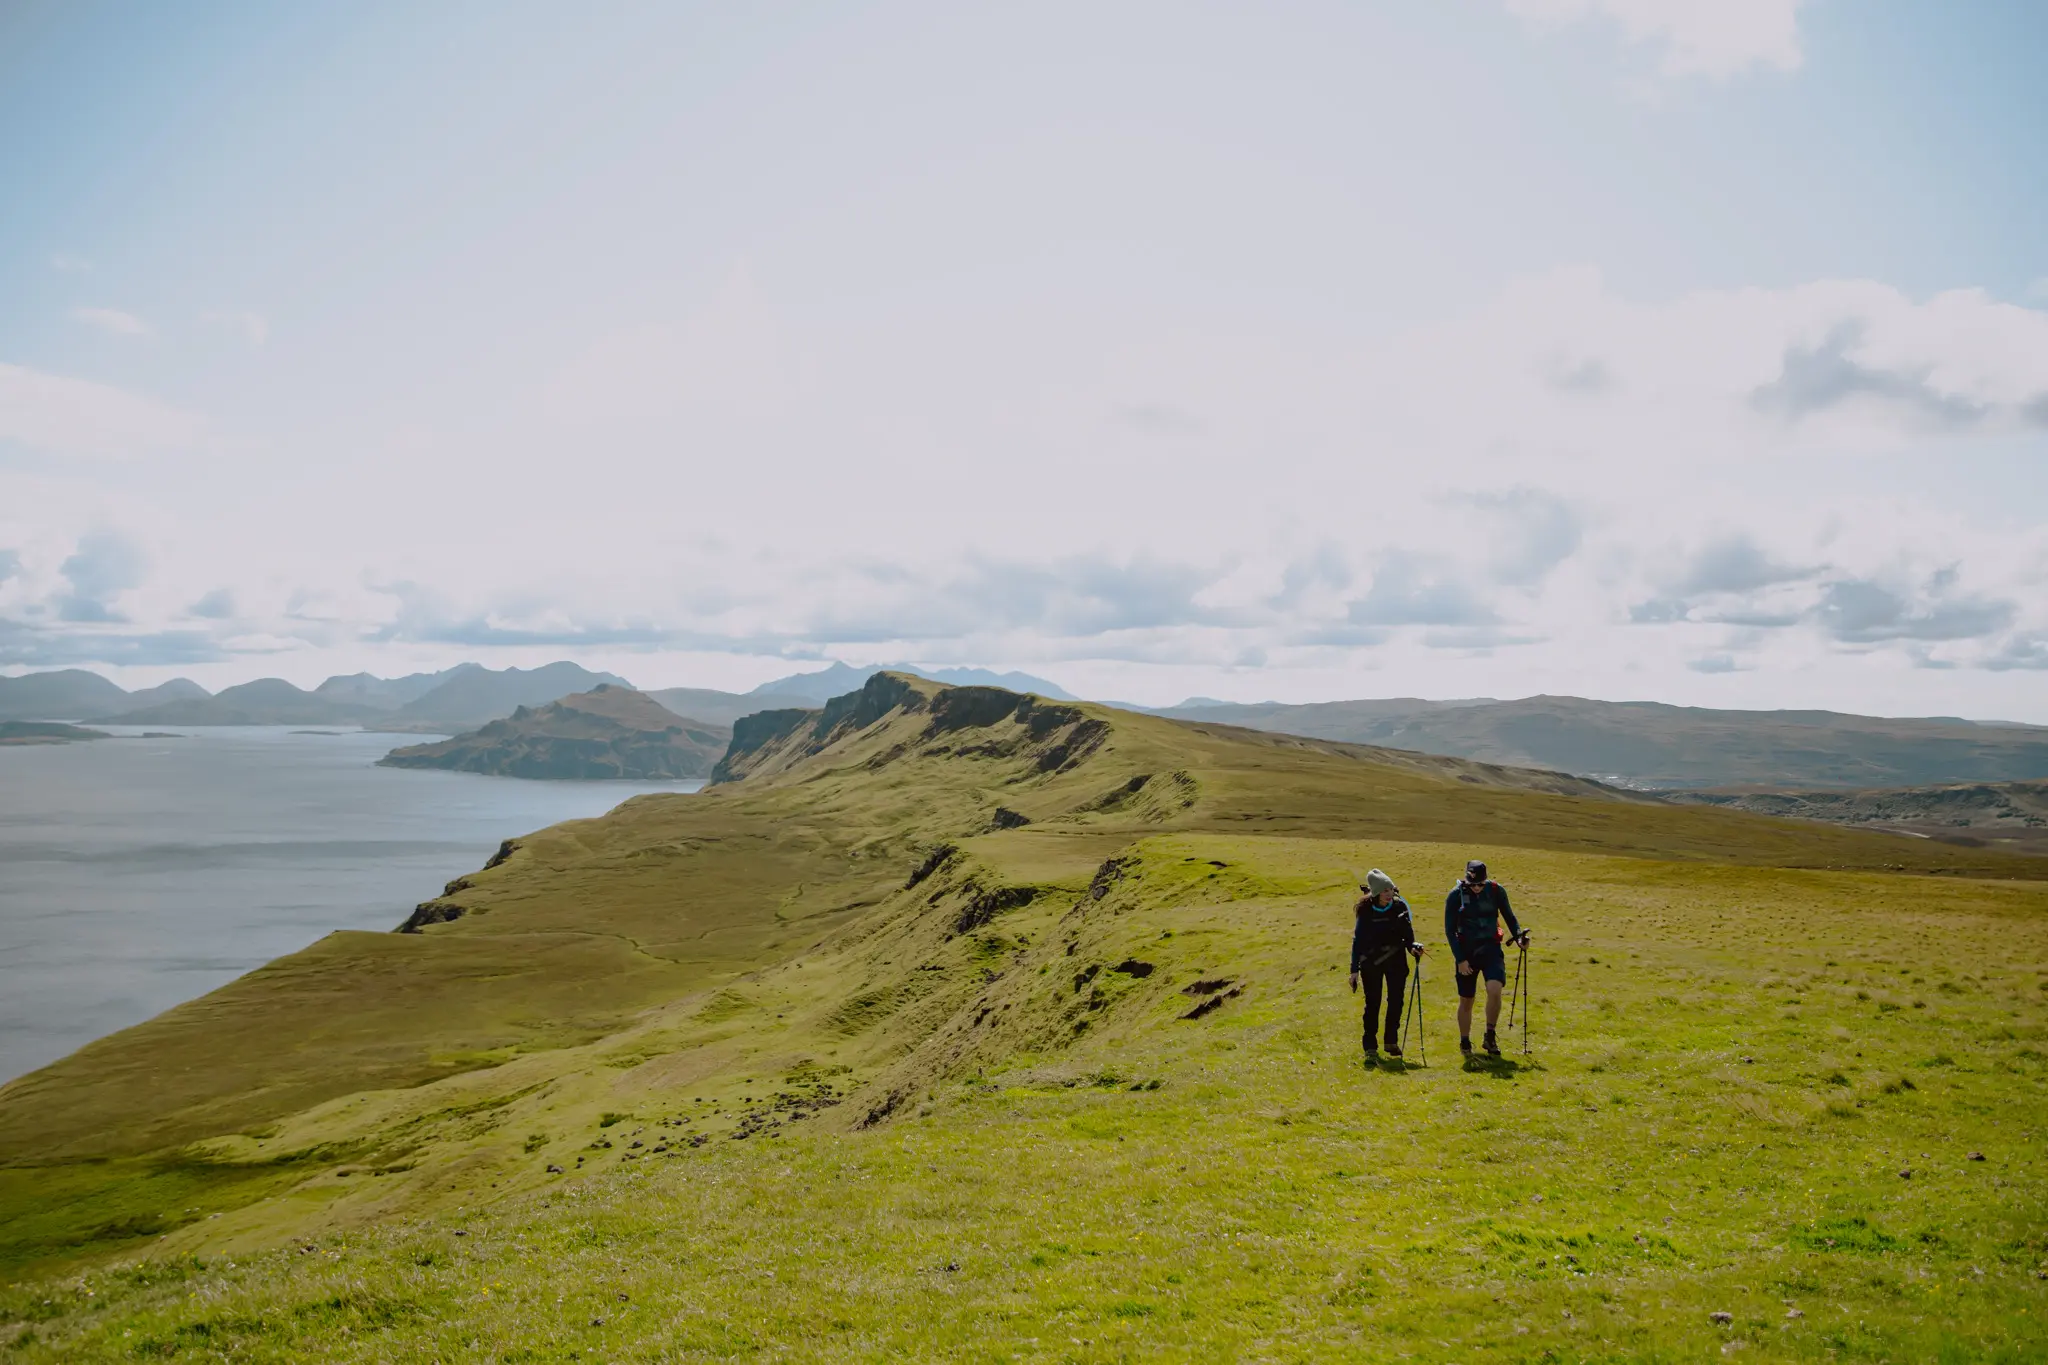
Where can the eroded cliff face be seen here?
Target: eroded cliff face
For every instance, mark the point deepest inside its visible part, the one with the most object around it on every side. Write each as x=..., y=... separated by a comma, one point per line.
x=610, y=732
x=984, y=722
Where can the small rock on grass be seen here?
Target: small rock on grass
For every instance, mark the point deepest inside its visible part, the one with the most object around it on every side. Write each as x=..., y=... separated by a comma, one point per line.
x=1906, y=1174
x=1975, y=1156
x=1723, y=1318
x=1794, y=1314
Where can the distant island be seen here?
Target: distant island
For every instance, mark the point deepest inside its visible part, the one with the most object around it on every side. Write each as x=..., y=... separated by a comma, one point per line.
x=608, y=732
x=20, y=732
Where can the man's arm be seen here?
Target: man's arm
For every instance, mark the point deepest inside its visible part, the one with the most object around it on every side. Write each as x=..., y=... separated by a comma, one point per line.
x=1507, y=911
x=1357, y=943
x=1451, y=920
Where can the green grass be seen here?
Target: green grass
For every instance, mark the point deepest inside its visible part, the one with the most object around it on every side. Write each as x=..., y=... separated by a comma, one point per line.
x=1241, y=1186
x=889, y=1137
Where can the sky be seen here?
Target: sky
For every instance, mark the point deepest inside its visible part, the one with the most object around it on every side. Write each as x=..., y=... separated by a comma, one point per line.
x=1683, y=350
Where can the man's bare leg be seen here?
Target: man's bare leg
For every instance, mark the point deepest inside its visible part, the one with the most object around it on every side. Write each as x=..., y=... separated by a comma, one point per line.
x=1492, y=1005
x=1464, y=1016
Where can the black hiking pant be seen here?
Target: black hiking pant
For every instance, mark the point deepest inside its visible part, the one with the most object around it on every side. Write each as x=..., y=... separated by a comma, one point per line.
x=1391, y=980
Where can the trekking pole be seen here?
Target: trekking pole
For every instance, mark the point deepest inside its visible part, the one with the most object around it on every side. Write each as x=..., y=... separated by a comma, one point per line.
x=1421, y=1032
x=1414, y=1019
x=1407, y=1018
x=1522, y=991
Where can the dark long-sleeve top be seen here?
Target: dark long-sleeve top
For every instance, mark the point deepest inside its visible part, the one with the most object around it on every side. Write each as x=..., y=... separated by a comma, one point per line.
x=1382, y=934
x=1471, y=917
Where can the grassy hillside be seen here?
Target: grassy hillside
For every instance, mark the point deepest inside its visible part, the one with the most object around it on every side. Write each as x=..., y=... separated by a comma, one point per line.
x=607, y=732
x=882, y=1048
x=1654, y=745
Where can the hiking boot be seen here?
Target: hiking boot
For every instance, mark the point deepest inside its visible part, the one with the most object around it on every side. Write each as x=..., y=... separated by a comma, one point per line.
x=1372, y=1050
x=1492, y=1045
x=1465, y=1046
x=1393, y=1049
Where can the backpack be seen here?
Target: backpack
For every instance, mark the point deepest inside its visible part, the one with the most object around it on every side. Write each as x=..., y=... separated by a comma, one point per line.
x=1465, y=903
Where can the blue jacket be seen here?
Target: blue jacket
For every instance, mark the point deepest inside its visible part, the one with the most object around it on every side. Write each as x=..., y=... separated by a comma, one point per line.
x=1472, y=918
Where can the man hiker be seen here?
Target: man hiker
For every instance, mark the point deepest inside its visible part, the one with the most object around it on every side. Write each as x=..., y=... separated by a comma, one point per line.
x=1472, y=915
x=1382, y=941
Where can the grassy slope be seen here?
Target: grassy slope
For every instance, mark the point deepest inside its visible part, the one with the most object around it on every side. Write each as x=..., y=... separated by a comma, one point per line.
x=1266, y=1198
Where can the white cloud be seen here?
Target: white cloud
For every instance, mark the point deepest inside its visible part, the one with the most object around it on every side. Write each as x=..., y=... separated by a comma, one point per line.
x=253, y=327
x=726, y=359
x=1716, y=38
x=1430, y=513
x=66, y=416
x=112, y=320
x=69, y=263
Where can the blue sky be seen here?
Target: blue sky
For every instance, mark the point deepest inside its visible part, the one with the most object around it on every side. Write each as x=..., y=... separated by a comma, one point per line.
x=1654, y=348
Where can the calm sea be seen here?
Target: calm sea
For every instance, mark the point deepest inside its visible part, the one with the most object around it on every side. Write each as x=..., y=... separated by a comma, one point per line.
x=138, y=873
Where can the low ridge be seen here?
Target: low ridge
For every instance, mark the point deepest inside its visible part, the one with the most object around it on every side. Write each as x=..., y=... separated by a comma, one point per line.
x=607, y=732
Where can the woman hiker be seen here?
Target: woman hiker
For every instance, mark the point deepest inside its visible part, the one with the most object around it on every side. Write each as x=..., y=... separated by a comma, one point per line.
x=1382, y=941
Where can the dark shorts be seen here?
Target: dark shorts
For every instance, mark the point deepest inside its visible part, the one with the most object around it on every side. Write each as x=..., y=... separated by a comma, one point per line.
x=1487, y=961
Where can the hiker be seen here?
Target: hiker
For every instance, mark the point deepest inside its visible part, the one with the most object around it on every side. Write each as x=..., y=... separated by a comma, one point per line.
x=1382, y=941
x=1472, y=915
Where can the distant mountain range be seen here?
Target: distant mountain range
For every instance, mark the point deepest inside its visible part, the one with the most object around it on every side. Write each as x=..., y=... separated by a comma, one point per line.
x=2009, y=815
x=1654, y=746
x=267, y=701
x=75, y=694
x=814, y=689
x=608, y=732
x=472, y=695
x=444, y=703
x=1646, y=745
x=448, y=702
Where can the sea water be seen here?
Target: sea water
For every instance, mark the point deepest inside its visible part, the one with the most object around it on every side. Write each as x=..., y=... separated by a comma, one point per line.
x=138, y=873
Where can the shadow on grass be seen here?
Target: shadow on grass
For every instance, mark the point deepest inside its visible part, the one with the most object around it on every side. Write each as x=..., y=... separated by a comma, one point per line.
x=1394, y=1066
x=1498, y=1068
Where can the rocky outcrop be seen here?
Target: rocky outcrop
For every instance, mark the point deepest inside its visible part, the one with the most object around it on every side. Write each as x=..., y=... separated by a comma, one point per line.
x=972, y=722
x=608, y=732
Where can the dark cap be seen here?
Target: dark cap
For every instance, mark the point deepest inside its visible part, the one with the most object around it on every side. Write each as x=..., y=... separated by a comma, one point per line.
x=1475, y=871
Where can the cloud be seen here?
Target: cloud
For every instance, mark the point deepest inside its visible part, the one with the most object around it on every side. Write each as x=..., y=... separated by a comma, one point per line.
x=1815, y=379
x=105, y=565
x=36, y=646
x=2028, y=650
x=68, y=263
x=78, y=417
x=254, y=327
x=1716, y=38
x=1323, y=568
x=1584, y=376
x=1534, y=532
x=1478, y=638
x=218, y=605
x=1730, y=567
x=10, y=565
x=1158, y=419
x=1716, y=663
x=1862, y=611
x=1073, y=596
x=112, y=320
x=1404, y=595
x=1735, y=563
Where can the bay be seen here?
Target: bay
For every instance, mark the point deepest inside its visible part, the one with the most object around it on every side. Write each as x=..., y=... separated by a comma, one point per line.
x=138, y=873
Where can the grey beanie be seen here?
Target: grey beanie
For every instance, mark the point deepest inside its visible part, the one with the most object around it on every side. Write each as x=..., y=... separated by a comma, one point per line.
x=1377, y=881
